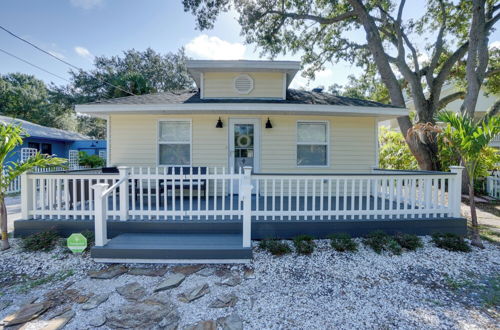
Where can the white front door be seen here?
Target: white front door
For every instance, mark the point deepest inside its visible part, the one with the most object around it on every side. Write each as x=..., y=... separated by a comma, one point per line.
x=244, y=144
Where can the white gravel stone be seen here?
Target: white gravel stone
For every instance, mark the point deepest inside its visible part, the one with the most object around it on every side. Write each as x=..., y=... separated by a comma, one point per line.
x=326, y=289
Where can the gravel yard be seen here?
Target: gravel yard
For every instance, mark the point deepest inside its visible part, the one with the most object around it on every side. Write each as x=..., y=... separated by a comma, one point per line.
x=430, y=288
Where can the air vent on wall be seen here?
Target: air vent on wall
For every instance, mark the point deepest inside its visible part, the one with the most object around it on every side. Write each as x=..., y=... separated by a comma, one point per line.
x=243, y=84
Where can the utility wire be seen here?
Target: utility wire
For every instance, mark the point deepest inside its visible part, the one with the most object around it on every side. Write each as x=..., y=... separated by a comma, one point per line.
x=34, y=65
x=59, y=59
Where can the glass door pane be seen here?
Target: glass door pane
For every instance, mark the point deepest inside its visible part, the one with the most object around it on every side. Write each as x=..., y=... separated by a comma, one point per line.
x=243, y=145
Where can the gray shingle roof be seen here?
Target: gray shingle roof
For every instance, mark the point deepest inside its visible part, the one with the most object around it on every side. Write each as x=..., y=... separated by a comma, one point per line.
x=293, y=96
x=39, y=131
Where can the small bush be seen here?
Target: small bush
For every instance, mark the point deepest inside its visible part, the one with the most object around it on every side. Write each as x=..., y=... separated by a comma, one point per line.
x=450, y=242
x=304, y=244
x=343, y=242
x=43, y=241
x=408, y=241
x=275, y=247
x=379, y=241
x=90, y=236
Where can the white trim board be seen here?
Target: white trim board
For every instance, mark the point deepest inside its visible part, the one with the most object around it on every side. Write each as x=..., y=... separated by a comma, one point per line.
x=240, y=108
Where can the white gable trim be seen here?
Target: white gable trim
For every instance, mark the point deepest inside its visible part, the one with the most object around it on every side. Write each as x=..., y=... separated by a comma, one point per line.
x=240, y=108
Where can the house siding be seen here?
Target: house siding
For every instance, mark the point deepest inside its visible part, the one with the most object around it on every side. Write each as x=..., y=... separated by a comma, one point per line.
x=220, y=84
x=352, y=147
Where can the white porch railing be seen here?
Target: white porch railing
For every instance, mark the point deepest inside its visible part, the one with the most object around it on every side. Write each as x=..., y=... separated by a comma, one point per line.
x=203, y=194
x=493, y=185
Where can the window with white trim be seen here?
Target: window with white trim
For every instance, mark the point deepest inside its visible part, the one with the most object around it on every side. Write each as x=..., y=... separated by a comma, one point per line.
x=312, y=144
x=174, y=142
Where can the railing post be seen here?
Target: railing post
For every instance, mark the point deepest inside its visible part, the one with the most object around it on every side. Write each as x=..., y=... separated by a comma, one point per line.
x=100, y=226
x=124, y=201
x=246, y=195
x=27, y=194
x=374, y=184
x=455, y=190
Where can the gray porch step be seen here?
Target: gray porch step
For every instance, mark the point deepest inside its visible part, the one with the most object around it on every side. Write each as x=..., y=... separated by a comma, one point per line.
x=173, y=248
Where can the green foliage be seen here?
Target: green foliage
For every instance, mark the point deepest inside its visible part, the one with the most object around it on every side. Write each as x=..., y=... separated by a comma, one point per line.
x=275, y=247
x=343, y=242
x=488, y=160
x=408, y=241
x=43, y=241
x=138, y=72
x=304, y=244
x=25, y=97
x=10, y=138
x=394, y=152
x=450, y=242
x=379, y=241
x=59, y=276
x=90, y=236
x=469, y=139
x=92, y=161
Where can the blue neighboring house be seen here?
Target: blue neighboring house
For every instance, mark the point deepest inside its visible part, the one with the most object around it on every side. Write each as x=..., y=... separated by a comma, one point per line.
x=53, y=141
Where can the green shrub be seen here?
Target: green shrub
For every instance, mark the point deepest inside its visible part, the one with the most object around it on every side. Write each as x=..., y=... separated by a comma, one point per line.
x=379, y=241
x=90, y=236
x=343, y=242
x=90, y=160
x=450, y=242
x=275, y=247
x=43, y=241
x=394, y=152
x=304, y=244
x=408, y=241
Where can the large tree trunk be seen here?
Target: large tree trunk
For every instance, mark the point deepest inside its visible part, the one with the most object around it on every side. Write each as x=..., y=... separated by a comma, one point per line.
x=475, y=239
x=426, y=152
x=3, y=224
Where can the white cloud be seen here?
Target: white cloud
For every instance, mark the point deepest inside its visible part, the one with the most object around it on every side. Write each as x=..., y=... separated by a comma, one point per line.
x=83, y=52
x=214, y=48
x=86, y=4
x=495, y=44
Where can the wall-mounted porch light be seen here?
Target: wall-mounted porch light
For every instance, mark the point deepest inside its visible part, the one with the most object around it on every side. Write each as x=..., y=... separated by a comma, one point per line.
x=219, y=124
x=268, y=123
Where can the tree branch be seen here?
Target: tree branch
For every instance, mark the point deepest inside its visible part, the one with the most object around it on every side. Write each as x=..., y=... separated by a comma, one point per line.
x=492, y=111
x=438, y=49
x=450, y=98
x=319, y=19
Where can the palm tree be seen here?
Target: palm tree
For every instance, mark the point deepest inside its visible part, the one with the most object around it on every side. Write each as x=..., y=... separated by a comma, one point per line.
x=468, y=138
x=11, y=137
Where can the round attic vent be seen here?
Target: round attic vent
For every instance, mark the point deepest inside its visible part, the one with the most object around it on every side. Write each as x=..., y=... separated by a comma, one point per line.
x=243, y=84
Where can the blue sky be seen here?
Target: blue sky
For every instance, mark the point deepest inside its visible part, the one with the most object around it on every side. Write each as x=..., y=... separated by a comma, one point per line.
x=76, y=30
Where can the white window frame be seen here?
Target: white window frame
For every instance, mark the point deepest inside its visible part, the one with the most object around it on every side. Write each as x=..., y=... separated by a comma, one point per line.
x=327, y=143
x=159, y=143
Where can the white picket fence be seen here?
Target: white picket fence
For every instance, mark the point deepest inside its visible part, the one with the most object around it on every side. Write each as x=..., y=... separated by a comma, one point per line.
x=493, y=185
x=15, y=185
x=163, y=194
x=202, y=194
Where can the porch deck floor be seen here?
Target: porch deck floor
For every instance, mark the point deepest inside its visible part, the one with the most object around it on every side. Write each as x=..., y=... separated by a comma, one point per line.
x=177, y=247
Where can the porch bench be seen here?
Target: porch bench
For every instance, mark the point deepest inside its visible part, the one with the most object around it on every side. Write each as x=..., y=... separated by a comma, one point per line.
x=169, y=185
x=185, y=184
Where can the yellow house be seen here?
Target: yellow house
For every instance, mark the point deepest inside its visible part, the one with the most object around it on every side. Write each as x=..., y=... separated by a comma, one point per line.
x=243, y=113
x=197, y=174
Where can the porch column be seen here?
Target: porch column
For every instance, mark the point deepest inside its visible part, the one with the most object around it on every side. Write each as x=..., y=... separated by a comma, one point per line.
x=100, y=226
x=455, y=190
x=246, y=195
x=124, y=200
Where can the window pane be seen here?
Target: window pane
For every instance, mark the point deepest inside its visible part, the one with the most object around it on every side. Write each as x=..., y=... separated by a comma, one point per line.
x=311, y=132
x=311, y=155
x=175, y=131
x=175, y=154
